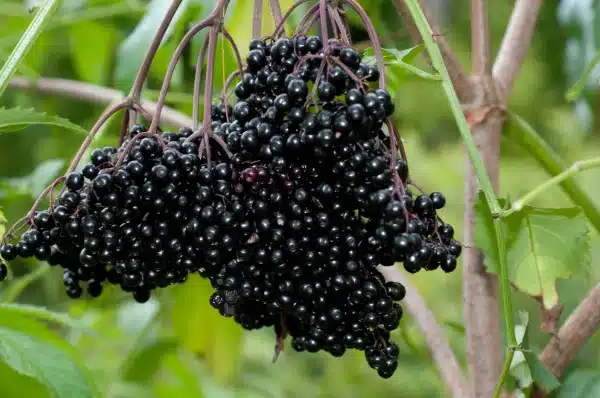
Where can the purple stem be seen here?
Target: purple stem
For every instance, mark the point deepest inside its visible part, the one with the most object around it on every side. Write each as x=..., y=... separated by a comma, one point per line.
x=323, y=18
x=88, y=140
x=210, y=70
x=197, y=79
x=236, y=51
x=338, y=22
x=279, y=29
x=276, y=10
x=125, y=126
x=307, y=20
x=257, y=19
x=373, y=37
x=336, y=31
x=214, y=16
x=136, y=89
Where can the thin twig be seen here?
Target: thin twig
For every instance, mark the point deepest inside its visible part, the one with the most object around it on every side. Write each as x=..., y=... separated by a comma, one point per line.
x=95, y=94
x=257, y=19
x=516, y=42
x=136, y=89
x=277, y=16
x=434, y=335
x=197, y=81
x=459, y=77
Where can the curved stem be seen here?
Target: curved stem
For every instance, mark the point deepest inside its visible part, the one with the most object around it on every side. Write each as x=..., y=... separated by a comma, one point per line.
x=136, y=89
x=377, y=50
x=576, y=168
x=214, y=16
x=171, y=69
x=235, y=49
x=88, y=140
x=197, y=79
x=307, y=20
x=279, y=27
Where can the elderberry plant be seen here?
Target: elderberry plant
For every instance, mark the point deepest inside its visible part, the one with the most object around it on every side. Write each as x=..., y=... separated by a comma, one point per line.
x=305, y=194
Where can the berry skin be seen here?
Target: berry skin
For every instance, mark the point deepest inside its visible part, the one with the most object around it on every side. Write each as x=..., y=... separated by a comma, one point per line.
x=74, y=181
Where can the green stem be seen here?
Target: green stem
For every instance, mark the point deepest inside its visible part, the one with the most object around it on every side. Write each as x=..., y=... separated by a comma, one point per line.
x=42, y=17
x=504, y=374
x=475, y=158
x=506, y=302
x=463, y=126
x=578, y=87
x=525, y=135
x=21, y=284
x=576, y=168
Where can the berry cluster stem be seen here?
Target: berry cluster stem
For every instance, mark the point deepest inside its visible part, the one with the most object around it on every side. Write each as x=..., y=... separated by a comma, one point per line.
x=197, y=81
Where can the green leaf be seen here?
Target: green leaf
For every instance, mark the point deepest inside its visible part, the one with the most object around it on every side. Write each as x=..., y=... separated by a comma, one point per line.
x=132, y=51
x=581, y=383
x=16, y=119
x=204, y=331
x=34, y=183
x=39, y=313
x=540, y=373
x=526, y=366
x=400, y=65
x=146, y=362
x=91, y=50
x=543, y=245
x=47, y=364
x=575, y=91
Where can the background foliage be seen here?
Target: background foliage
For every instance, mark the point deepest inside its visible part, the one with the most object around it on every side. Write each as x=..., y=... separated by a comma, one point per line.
x=176, y=345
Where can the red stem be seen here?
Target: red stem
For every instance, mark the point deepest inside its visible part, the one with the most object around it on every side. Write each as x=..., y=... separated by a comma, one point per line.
x=210, y=70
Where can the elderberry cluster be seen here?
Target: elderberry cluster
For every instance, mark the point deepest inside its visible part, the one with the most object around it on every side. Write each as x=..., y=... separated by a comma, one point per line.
x=289, y=223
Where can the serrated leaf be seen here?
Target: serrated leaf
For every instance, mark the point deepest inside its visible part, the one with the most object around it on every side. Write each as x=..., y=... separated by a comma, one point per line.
x=145, y=363
x=132, y=51
x=47, y=364
x=543, y=245
x=16, y=119
x=91, y=50
x=204, y=331
x=581, y=383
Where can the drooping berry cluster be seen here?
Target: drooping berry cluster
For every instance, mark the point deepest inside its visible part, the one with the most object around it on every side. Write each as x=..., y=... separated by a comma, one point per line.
x=289, y=230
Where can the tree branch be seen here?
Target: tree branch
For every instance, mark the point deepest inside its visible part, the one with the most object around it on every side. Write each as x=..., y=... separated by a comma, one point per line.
x=481, y=57
x=579, y=327
x=96, y=94
x=460, y=79
x=480, y=289
x=515, y=43
x=436, y=340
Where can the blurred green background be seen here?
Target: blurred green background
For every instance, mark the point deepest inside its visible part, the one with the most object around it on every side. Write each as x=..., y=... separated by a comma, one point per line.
x=176, y=345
